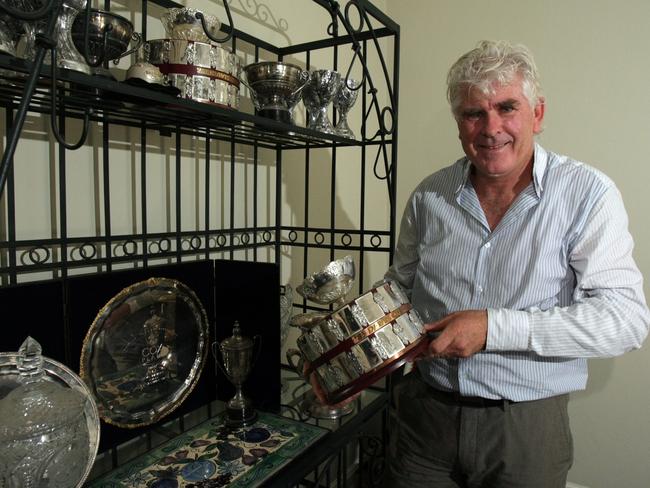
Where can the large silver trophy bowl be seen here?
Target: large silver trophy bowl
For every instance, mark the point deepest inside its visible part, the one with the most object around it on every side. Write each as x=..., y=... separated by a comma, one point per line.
x=317, y=96
x=275, y=88
x=327, y=286
x=345, y=98
x=237, y=360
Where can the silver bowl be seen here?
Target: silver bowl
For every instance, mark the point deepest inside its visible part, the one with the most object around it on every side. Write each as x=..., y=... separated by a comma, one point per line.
x=275, y=88
x=182, y=23
x=118, y=29
x=331, y=283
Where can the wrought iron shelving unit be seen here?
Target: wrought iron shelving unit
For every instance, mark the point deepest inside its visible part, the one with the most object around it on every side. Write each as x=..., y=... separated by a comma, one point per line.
x=26, y=91
x=118, y=104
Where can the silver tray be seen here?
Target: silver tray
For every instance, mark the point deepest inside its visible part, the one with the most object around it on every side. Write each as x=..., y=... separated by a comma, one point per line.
x=144, y=352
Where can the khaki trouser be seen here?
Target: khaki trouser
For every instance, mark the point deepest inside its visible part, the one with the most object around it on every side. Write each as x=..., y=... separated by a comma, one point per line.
x=440, y=441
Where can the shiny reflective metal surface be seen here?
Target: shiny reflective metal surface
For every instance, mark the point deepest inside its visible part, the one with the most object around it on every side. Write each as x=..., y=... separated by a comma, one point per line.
x=203, y=72
x=331, y=283
x=275, y=88
x=145, y=351
x=146, y=72
x=344, y=100
x=118, y=31
x=318, y=94
x=182, y=23
x=238, y=356
x=49, y=424
x=354, y=346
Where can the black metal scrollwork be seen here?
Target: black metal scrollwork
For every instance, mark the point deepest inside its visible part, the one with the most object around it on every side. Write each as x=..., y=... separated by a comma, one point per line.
x=201, y=17
x=28, y=16
x=384, y=128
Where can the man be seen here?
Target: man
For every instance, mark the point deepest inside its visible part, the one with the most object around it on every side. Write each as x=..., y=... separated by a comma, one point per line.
x=521, y=262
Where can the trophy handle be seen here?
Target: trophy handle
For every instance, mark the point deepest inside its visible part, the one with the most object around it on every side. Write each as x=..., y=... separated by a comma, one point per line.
x=137, y=38
x=216, y=350
x=298, y=366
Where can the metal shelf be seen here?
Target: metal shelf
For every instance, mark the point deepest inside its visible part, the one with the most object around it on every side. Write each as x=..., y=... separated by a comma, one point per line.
x=120, y=103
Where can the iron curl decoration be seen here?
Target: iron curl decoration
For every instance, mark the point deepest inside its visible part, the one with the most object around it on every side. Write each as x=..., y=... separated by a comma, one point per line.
x=383, y=131
x=36, y=255
x=128, y=247
x=372, y=451
x=201, y=17
x=86, y=251
x=263, y=13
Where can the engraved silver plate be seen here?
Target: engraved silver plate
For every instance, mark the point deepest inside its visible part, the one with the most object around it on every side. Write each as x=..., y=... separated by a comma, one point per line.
x=388, y=296
x=351, y=363
x=390, y=340
x=359, y=315
x=380, y=346
x=371, y=310
x=308, y=347
x=405, y=329
x=348, y=318
x=145, y=351
x=197, y=54
x=397, y=291
x=416, y=321
x=328, y=378
x=370, y=354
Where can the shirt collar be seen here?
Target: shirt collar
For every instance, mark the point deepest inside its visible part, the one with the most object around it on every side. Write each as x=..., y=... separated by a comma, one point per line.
x=540, y=162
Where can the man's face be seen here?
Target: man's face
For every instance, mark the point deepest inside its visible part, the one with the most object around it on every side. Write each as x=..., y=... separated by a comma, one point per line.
x=497, y=131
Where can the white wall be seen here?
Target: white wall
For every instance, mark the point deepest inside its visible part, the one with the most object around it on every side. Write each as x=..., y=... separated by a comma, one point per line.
x=594, y=59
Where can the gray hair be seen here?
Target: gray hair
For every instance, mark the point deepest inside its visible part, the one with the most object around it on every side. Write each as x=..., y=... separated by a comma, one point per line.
x=490, y=62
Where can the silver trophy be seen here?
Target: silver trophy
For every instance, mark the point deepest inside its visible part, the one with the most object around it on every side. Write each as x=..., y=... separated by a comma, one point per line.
x=328, y=286
x=275, y=88
x=10, y=31
x=345, y=98
x=238, y=357
x=109, y=36
x=317, y=95
x=67, y=55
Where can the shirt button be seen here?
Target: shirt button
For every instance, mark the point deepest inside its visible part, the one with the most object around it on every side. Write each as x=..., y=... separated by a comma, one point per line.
x=487, y=245
x=479, y=288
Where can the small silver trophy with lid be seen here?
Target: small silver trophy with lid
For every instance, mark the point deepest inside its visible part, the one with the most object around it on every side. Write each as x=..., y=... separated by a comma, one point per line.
x=238, y=358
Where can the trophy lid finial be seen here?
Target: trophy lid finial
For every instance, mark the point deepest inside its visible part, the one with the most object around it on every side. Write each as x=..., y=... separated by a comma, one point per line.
x=236, y=341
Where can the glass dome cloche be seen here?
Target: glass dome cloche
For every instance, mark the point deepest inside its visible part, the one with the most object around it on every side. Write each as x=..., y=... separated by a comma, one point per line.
x=49, y=424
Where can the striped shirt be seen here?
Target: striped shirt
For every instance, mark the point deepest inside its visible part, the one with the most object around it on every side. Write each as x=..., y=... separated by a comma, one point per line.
x=556, y=277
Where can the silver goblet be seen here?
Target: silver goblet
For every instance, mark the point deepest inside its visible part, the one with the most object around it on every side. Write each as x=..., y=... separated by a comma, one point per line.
x=345, y=98
x=317, y=95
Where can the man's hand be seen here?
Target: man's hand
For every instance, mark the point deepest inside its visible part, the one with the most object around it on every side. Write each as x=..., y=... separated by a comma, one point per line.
x=462, y=334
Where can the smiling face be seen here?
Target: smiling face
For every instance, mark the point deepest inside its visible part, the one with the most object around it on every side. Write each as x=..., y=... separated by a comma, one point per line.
x=497, y=131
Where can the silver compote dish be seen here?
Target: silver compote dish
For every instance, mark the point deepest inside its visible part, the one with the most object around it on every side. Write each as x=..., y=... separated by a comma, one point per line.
x=275, y=88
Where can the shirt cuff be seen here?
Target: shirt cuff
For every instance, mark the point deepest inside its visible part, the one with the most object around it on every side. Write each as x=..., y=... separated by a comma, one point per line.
x=508, y=330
